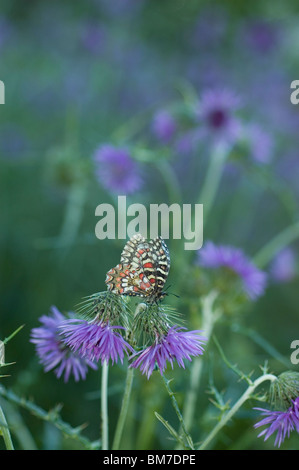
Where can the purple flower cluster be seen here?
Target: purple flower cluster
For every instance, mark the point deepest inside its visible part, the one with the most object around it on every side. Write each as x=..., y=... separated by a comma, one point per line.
x=52, y=351
x=74, y=344
x=176, y=345
x=253, y=279
x=280, y=422
x=95, y=340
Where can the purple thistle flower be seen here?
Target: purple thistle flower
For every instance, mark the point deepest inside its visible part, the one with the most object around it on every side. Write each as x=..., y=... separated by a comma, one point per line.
x=95, y=340
x=116, y=170
x=164, y=126
x=216, y=112
x=253, y=279
x=282, y=422
x=52, y=351
x=175, y=346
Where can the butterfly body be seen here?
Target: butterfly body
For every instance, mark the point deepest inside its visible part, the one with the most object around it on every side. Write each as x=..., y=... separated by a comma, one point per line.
x=143, y=269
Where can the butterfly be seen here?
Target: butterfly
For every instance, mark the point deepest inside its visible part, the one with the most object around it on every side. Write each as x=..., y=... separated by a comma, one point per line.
x=143, y=269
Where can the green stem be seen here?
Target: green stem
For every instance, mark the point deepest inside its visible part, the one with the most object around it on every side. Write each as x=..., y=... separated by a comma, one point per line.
x=246, y=395
x=13, y=334
x=72, y=219
x=210, y=317
x=2, y=353
x=178, y=413
x=207, y=195
x=127, y=394
x=104, y=406
x=73, y=214
x=124, y=409
x=213, y=177
x=171, y=181
x=5, y=431
x=51, y=416
x=280, y=241
x=20, y=430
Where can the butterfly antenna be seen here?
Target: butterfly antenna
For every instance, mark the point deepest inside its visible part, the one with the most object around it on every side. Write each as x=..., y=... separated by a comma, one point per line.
x=171, y=293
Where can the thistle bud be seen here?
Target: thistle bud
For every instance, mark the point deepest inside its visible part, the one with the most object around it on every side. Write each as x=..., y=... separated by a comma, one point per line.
x=285, y=389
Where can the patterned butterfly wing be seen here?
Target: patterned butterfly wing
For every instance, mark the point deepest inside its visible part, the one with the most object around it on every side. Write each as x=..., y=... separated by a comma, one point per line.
x=161, y=265
x=125, y=280
x=143, y=269
x=133, y=250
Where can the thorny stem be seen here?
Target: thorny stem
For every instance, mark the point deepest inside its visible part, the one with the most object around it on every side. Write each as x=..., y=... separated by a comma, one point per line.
x=126, y=397
x=246, y=395
x=178, y=413
x=124, y=409
x=4, y=430
x=104, y=406
x=210, y=317
x=51, y=416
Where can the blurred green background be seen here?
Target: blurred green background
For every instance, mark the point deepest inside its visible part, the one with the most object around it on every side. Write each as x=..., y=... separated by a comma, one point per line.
x=81, y=74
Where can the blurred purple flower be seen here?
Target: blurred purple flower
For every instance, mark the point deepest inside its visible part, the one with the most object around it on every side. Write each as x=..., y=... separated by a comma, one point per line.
x=262, y=35
x=213, y=257
x=216, y=112
x=282, y=422
x=93, y=37
x=95, y=340
x=116, y=170
x=175, y=346
x=121, y=8
x=210, y=27
x=164, y=126
x=260, y=144
x=283, y=267
x=52, y=351
x=5, y=29
x=13, y=141
x=185, y=143
x=287, y=169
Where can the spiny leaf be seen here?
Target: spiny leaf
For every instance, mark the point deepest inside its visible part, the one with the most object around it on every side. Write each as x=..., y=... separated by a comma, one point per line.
x=169, y=428
x=233, y=366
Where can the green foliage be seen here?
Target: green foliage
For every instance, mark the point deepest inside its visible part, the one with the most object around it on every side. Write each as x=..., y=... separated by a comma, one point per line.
x=81, y=74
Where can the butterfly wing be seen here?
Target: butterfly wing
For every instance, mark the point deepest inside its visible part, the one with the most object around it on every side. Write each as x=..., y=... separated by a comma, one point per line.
x=161, y=262
x=124, y=280
x=131, y=249
x=143, y=268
